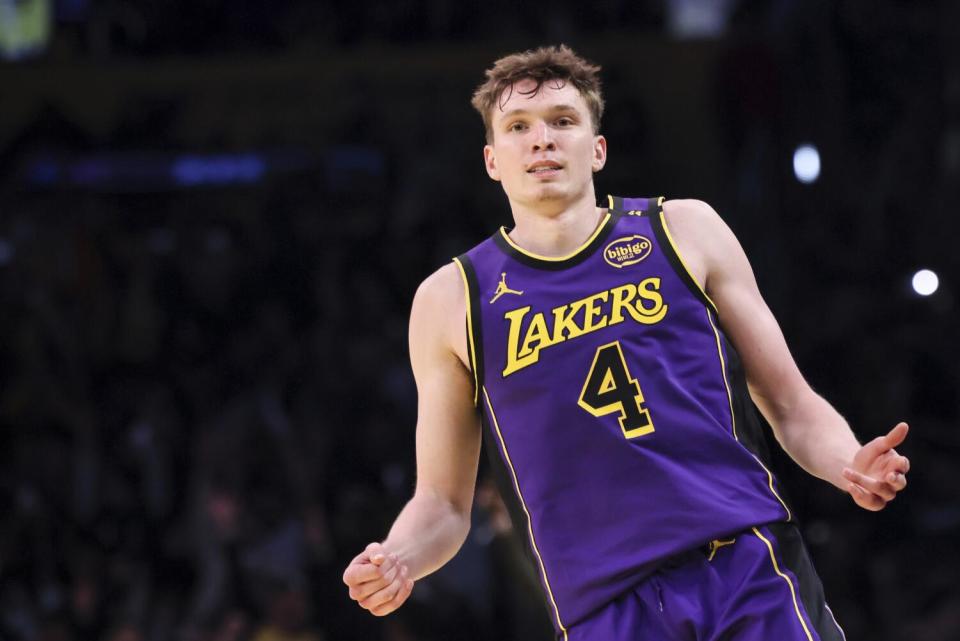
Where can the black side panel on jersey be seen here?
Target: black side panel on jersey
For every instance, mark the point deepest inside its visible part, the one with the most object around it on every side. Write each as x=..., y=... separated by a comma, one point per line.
x=666, y=244
x=752, y=428
x=501, y=476
x=497, y=467
x=518, y=516
x=473, y=328
x=794, y=555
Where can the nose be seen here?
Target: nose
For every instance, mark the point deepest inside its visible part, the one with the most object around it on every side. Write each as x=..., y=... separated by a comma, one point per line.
x=543, y=138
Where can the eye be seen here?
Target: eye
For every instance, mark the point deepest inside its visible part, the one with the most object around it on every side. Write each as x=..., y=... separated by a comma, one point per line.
x=517, y=126
x=565, y=121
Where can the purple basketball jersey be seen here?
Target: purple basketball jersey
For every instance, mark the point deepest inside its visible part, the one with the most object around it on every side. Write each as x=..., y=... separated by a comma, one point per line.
x=605, y=386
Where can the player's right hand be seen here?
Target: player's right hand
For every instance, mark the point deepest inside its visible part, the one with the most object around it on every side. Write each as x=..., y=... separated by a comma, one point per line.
x=377, y=580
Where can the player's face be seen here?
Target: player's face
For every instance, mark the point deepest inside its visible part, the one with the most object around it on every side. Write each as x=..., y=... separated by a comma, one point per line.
x=543, y=145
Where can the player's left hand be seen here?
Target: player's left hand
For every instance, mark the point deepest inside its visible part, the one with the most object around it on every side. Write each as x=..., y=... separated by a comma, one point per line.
x=878, y=472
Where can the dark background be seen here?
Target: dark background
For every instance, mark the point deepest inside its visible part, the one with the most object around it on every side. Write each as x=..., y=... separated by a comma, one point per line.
x=213, y=217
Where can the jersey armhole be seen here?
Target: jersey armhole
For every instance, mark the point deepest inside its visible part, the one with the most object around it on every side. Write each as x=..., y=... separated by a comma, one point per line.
x=474, y=338
x=659, y=223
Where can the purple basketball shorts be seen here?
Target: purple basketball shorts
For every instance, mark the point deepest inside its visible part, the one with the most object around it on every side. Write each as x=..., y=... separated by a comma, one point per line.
x=756, y=586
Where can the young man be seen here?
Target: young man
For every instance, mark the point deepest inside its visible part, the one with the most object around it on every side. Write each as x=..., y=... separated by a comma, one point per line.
x=596, y=356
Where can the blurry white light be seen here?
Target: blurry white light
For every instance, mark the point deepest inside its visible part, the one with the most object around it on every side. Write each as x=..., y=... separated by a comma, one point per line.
x=806, y=163
x=925, y=282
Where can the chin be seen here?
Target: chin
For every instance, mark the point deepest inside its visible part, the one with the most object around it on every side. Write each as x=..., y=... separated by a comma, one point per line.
x=552, y=192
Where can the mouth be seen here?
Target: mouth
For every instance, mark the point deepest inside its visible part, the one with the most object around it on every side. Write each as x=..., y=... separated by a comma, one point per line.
x=544, y=167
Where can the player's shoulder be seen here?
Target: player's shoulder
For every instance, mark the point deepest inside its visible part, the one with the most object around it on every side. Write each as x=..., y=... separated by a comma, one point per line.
x=690, y=211
x=442, y=283
x=437, y=315
x=442, y=292
x=694, y=221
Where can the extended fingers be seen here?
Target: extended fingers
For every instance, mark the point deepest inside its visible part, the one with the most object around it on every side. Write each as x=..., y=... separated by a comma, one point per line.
x=880, y=488
x=896, y=436
x=866, y=500
x=883, y=444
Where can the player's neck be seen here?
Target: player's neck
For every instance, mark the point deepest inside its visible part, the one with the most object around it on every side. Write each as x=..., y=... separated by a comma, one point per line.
x=555, y=229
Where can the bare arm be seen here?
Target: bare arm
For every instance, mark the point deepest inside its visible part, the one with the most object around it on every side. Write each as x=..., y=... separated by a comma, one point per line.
x=434, y=524
x=808, y=428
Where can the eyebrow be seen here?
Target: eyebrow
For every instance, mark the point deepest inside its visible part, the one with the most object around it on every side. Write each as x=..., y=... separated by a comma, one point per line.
x=518, y=112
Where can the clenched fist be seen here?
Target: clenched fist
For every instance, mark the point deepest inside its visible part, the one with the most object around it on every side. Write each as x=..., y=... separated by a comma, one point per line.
x=377, y=580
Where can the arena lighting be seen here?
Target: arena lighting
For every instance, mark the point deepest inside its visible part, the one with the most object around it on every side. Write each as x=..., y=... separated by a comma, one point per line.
x=151, y=170
x=806, y=163
x=925, y=282
x=25, y=28
x=219, y=169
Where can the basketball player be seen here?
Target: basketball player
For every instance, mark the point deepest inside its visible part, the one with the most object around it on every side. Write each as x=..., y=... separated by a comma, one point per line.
x=610, y=354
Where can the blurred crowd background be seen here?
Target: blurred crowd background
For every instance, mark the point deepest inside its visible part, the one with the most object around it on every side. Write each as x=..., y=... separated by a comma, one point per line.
x=213, y=217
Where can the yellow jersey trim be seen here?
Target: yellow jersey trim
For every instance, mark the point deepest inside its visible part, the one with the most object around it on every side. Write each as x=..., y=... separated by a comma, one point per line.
x=516, y=486
x=470, y=341
x=676, y=250
x=733, y=417
x=723, y=371
x=610, y=202
x=793, y=592
x=557, y=259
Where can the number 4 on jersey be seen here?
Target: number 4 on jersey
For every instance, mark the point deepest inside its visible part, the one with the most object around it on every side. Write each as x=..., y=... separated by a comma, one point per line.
x=610, y=388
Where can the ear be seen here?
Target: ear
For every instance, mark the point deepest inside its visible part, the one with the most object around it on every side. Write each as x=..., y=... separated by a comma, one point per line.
x=490, y=162
x=599, y=153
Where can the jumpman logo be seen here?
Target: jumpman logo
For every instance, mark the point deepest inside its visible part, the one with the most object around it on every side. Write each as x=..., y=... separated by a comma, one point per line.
x=503, y=289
